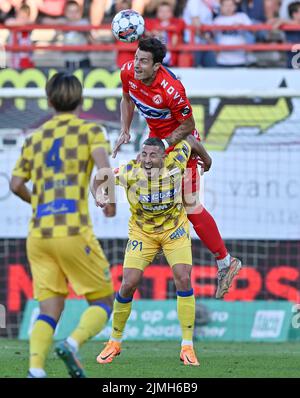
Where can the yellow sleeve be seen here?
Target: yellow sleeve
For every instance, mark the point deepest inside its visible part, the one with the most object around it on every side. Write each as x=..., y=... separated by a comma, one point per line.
x=180, y=154
x=23, y=165
x=98, y=138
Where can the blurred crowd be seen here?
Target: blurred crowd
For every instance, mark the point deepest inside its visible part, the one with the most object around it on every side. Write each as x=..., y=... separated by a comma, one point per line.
x=166, y=19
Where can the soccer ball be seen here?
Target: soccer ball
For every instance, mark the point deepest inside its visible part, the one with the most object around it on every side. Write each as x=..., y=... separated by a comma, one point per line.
x=128, y=26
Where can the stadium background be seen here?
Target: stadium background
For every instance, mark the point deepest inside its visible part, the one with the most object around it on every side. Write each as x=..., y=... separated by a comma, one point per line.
x=253, y=189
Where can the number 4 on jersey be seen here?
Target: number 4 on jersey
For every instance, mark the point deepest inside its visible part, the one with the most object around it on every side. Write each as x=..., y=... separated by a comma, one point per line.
x=52, y=158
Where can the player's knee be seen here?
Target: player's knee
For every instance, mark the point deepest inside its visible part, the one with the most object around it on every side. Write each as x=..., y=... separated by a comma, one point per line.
x=52, y=307
x=128, y=288
x=108, y=301
x=183, y=282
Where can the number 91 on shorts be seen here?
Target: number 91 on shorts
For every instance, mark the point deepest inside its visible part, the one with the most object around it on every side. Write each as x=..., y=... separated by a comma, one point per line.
x=142, y=247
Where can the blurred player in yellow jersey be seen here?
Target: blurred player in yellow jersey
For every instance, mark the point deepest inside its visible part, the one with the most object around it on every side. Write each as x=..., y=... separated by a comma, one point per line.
x=158, y=221
x=58, y=158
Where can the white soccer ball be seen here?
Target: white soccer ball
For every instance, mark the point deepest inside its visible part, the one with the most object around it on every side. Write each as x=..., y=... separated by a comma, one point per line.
x=128, y=26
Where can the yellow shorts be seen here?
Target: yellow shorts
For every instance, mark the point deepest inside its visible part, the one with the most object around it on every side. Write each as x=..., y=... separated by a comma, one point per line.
x=142, y=247
x=78, y=259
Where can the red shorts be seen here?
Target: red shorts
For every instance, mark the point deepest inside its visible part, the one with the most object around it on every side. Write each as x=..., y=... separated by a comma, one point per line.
x=191, y=179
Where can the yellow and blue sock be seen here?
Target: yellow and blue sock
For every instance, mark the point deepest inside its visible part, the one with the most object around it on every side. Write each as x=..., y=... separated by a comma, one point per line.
x=186, y=314
x=40, y=341
x=91, y=323
x=121, y=312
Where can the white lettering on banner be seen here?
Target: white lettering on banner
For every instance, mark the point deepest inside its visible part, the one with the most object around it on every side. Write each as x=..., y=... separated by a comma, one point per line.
x=214, y=331
x=2, y=317
x=296, y=317
x=267, y=324
x=170, y=331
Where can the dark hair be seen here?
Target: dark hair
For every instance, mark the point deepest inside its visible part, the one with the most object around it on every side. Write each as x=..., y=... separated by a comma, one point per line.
x=155, y=47
x=72, y=3
x=165, y=3
x=64, y=91
x=155, y=142
x=25, y=7
x=293, y=7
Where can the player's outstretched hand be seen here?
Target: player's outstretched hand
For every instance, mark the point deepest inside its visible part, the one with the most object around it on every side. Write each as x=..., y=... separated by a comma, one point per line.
x=124, y=138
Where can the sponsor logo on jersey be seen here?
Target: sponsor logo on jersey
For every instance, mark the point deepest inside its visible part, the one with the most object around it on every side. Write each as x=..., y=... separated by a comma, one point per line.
x=185, y=150
x=157, y=207
x=158, y=196
x=174, y=171
x=127, y=66
x=144, y=92
x=57, y=206
x=132, y=85
x=178, y=233
x=157, y=99
x=196, y=134
x=185, y=111
x=149, y=112
x=172, y=91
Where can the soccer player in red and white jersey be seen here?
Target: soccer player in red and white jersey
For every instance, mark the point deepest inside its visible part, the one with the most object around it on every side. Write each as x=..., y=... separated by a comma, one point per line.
x=160, y=97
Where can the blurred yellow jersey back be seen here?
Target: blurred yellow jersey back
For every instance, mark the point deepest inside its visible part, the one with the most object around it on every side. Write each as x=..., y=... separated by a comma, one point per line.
x=57, y=158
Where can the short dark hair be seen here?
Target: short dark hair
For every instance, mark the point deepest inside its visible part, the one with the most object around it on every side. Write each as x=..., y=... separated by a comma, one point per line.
x=71, y=3
x=293, y=7
x=155, y=47
x=64, y=91
x=25, y=8
x=153, y=141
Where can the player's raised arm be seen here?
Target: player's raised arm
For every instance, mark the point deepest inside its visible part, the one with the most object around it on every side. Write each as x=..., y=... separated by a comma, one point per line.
x=199, y=149
x=127, y=109
x=181, y=132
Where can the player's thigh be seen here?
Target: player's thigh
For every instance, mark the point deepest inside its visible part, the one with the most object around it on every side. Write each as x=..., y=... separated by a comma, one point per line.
x=177, y=245
x=85, y=265
x=140, y=250
x=48, y=278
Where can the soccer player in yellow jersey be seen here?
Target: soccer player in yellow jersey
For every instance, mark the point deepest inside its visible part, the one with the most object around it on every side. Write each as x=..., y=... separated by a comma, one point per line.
x=58, y=158
x=158, y=221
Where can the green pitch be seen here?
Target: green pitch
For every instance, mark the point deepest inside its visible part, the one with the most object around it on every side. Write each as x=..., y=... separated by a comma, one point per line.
x=161, y=359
